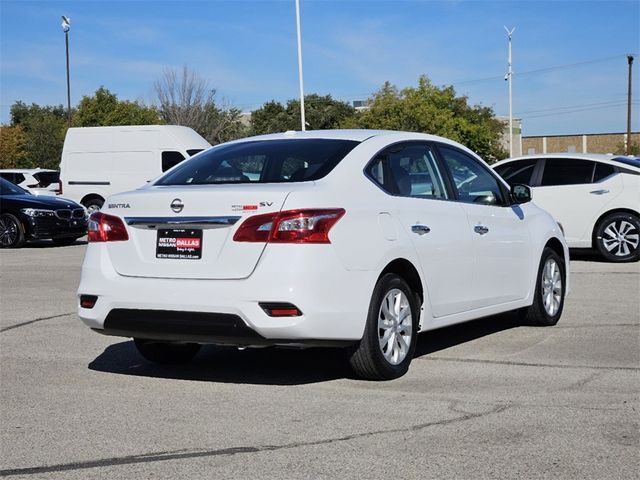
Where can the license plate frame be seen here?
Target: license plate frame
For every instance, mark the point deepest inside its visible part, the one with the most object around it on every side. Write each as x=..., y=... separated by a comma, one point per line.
x=179, y=243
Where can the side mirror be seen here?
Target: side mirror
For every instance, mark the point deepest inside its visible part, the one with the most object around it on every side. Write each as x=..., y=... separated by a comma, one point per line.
x=521, y=193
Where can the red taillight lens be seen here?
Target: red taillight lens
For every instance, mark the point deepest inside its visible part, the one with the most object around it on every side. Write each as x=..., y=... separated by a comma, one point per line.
x=106, y=228
x=290, y=226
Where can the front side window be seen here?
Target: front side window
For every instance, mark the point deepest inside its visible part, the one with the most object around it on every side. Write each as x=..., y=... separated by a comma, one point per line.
x=566, y=171
x=409, y=171
x=171, y=159
x=519, y=171
x=473, y=182
x=265, y=161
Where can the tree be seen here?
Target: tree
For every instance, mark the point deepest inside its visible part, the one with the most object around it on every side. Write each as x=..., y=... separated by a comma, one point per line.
x=434, y=110
x=104, y=109
x=44, y=130
x=185, y=98
x=12, y=146
x=321, y=113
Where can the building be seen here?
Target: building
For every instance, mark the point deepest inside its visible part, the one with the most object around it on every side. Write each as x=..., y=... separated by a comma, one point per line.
x=588, y=143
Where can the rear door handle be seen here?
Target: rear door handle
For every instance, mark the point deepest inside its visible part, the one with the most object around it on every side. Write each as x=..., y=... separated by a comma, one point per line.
x=480, y=229
x=599, y=192
x=420, y=229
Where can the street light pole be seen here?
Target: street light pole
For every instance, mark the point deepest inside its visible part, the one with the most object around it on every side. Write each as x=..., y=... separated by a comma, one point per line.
x=302, y=120
x=66, y=25
x=628, y=149
x=509, y=78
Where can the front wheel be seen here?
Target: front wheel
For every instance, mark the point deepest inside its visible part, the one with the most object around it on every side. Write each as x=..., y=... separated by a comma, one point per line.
x=618, y=237
x=166, y=352
x=11, y=235
x=548, y=297
x=390, y=334
x=93, y=204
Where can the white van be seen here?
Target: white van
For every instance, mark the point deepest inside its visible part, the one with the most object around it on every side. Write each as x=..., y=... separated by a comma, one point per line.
x=100, y=161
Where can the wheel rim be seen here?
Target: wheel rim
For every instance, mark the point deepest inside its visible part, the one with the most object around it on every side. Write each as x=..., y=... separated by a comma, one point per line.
x=8, y=232
x=551, y=287
x=395, y=326
x=621, y=238
x=92, y=208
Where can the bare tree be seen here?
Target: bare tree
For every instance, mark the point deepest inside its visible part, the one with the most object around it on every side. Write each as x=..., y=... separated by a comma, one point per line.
x=187, y=99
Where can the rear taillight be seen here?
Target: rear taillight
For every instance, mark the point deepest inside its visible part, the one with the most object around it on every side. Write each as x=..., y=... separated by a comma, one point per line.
x=106, y=228
x=59, y=189
x=290, y=226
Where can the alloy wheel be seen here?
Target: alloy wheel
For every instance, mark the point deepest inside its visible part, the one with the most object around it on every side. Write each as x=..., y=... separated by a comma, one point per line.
x=8, y=232
x=620, y=238
x=551, y=287
x=395, y=326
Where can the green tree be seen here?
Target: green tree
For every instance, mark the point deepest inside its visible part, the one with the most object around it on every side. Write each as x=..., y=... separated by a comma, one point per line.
x=321, y=113
x=104, y=109
x=44, y=130
x=435, y=110
x=12, y=146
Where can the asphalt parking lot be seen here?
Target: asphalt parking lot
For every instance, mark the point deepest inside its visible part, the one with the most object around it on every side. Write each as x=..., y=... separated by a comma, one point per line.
x=488, y=399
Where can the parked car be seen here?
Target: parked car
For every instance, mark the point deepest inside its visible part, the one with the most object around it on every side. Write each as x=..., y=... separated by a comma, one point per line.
x=100, y=161
x=596, y=198
x=355, y=238
x=24, y=216
x=38, y=181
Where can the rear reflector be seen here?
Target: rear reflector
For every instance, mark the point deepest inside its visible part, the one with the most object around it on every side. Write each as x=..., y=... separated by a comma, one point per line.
x=290, y=226
x=88, y=301
x=281, y=309
x=106, y=228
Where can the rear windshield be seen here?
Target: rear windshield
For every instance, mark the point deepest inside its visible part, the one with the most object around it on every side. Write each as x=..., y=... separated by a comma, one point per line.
x=266, y=161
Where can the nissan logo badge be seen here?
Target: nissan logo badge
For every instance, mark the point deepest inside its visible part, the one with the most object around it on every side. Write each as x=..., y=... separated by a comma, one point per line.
x=177, y=205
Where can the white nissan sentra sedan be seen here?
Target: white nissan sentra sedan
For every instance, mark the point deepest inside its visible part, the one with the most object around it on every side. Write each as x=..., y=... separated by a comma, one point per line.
x=354, y=238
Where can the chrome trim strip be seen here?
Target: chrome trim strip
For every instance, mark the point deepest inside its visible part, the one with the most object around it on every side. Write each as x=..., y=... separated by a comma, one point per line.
x=154, y=223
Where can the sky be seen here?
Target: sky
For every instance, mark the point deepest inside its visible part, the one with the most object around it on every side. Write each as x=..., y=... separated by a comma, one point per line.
x=569, y=57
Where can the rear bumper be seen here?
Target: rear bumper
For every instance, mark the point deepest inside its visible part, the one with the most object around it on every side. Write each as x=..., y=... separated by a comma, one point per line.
x=334, y=301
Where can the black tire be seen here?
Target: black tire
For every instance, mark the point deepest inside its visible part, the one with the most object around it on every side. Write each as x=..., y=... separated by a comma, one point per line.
x=166, y=352
x=368, y=358
x=11, y=233
x=93, y=204
x=64, y=241
x=617, y=237
x=537, y=313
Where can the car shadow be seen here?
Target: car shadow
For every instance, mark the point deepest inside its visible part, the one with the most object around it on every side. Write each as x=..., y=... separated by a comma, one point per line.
x=281, y=366
x=50, y=244
x=586, y=255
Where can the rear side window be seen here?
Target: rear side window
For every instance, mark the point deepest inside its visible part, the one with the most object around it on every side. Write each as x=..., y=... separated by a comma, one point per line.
x=517, y=172
x=603, y=170
x=266, y=161
x=171, y=159
x=46, y=178
x=566, y=171
x=409, y=171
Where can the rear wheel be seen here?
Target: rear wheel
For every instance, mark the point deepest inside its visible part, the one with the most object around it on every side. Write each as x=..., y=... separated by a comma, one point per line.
x=618, y=237
x=11, y=235
x=548, y=299
x=93, y=204
x=391, y=332
x=166, y=352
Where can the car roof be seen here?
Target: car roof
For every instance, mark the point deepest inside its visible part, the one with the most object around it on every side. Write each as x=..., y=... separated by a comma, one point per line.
x=358, y=135
x=596, y=157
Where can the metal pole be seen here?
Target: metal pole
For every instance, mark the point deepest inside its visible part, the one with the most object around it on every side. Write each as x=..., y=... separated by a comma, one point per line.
x=66, y=40
x=509, y=78
x=302, y=120
x=628, y=150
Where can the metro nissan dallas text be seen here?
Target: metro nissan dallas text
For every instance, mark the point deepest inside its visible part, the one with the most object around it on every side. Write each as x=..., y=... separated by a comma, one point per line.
x=352, y=238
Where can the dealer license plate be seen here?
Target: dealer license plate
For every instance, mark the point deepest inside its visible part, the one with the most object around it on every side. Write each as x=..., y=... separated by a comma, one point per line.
x=179, y=244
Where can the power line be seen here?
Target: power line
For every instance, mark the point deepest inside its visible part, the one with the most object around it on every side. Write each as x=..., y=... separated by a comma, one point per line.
x=579, y=110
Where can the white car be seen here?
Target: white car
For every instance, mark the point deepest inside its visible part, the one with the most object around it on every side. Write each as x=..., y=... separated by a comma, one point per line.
x=38, y=181
x=596, y=198
x=356, y=238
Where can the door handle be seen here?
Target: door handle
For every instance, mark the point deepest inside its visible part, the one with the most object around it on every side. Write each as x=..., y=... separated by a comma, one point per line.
x=480, y=229
x=420, y=229
x=599, y=192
